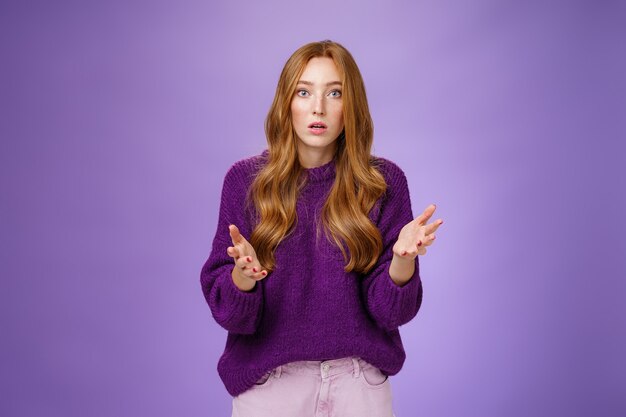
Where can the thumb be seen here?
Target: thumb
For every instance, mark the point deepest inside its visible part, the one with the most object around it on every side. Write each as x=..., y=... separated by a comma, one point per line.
x=425, y=215
x=235, y=235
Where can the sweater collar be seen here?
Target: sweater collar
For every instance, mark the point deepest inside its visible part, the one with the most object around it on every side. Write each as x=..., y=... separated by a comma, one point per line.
x=316, y=175
x=320, y=173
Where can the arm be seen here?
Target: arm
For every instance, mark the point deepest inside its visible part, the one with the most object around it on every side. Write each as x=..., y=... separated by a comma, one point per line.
x=235, y=310
x=392, y=302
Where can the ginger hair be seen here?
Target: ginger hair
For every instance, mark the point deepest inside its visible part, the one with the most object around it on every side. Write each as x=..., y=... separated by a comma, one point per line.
x=358, y=183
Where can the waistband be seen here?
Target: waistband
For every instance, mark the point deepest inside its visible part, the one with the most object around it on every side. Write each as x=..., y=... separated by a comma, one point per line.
x=326, y=368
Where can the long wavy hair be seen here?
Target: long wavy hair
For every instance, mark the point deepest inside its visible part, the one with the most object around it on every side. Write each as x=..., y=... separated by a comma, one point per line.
x=358, y=183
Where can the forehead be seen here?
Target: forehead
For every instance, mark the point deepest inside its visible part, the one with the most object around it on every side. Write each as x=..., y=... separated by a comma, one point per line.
x=320, y=69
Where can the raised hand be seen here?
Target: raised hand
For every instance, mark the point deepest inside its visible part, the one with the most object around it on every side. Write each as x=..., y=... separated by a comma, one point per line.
x=247, y=268
x=416, y=235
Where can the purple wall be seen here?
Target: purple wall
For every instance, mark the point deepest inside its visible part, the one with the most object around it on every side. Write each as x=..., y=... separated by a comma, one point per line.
x=118, y=122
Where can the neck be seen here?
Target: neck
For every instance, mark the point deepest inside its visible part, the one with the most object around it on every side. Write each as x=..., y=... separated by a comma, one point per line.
x=312, y=157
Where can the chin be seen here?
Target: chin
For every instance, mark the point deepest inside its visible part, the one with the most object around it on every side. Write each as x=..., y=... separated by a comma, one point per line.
x=317, y=142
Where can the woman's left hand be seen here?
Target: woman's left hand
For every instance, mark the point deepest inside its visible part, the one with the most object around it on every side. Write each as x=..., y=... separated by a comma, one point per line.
x=416, y=235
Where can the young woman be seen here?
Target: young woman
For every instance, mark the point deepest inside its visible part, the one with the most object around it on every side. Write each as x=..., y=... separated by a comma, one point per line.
x=314, y=264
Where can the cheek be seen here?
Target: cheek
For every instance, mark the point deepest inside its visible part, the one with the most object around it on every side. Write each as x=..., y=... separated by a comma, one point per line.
x=296, y=111
x=337, y=110
x=339, y=117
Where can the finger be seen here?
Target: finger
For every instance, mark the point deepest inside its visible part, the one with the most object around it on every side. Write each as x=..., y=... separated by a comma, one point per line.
x=411, y=253
x=250, y=273
x=244, y=262
x=235, y=235
x=428, y=241
x=426, y=214
x=421, y=251
x=404, y=250
x=430, y=228
x=259, y=275
x=233, y=252
x=256, y=268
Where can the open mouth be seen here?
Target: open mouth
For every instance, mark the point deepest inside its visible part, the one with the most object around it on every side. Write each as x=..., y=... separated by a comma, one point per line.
x=317, y=128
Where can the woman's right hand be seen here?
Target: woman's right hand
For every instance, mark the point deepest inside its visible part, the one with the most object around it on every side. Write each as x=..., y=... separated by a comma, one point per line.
x=247, y=270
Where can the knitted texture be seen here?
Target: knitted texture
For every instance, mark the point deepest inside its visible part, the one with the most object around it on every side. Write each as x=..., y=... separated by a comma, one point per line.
x=308, y=308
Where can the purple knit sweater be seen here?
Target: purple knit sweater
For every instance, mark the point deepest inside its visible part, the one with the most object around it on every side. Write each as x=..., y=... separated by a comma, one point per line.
x=308, y=308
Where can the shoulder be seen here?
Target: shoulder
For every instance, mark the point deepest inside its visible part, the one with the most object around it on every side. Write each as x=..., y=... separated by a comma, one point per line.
x=396, y=200
x=244, y=170
x=237, y=182
x=393, y=174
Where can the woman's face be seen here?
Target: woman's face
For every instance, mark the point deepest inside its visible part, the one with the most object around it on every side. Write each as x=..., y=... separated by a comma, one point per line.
x=318, y=101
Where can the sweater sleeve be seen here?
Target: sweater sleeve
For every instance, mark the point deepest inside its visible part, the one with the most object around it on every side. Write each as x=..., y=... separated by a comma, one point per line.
x=388, y=304
x=235, y=310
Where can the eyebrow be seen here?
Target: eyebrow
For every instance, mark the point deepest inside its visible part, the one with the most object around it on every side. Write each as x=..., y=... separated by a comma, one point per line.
x=327, y=84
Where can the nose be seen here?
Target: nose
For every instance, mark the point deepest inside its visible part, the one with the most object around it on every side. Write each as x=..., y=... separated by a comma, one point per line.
x=318, y=106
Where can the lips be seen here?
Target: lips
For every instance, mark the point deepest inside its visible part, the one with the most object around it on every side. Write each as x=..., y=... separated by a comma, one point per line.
x=318, y=125
x=318, y=128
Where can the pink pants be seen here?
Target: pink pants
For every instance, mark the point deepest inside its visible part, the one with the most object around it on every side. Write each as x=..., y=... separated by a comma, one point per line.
x=346, y=387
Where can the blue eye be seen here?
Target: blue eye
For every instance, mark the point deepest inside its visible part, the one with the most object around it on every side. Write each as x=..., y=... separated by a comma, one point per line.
x=301, y=91
x=336, y=91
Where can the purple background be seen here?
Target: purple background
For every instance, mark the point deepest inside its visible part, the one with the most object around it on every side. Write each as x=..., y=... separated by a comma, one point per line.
x=119, y=120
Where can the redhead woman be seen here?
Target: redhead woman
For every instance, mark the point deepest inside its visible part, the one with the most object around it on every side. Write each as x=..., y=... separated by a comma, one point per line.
x=314, y=264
